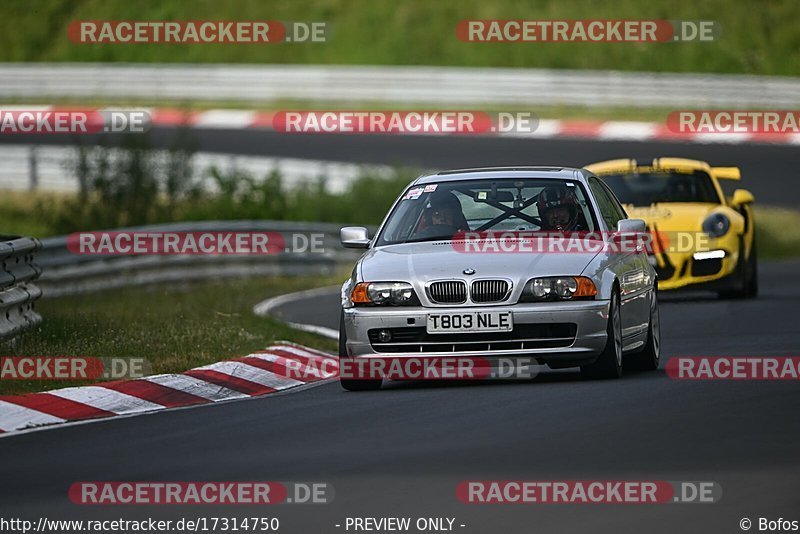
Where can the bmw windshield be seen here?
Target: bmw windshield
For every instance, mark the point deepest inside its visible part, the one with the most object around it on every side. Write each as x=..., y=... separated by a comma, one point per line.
x=439, y=211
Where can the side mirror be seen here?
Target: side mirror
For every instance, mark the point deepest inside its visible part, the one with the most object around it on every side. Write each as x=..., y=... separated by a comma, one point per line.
x=631, y=226
x=354, y=237
x=741, y=197
x=630, y=233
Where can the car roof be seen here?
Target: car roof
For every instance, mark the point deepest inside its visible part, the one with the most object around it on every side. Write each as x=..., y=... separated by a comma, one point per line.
x=617, y=166
x=519, y=172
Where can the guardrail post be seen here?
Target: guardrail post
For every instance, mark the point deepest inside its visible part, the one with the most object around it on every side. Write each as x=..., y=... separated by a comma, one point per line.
x=17, y=291
x=33, y=168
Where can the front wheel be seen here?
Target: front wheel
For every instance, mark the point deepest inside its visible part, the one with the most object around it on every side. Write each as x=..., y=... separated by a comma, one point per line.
x=609, y=363
x=650, y=357
x=746, y=276
x=752, y=272
x=351, y=384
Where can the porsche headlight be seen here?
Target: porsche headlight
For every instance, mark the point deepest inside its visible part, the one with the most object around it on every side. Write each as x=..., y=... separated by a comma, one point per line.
x=558, y=288
x=384, y=294
x=716, y=225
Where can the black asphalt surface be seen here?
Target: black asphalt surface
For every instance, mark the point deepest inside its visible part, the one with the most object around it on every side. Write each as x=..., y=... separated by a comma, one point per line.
x=770, y=171
x=401, y=451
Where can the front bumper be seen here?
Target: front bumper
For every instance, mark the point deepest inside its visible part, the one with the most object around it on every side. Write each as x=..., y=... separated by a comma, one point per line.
x=539, y=333
x=679, y=269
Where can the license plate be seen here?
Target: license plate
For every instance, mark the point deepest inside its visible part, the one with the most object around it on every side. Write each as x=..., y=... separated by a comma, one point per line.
x=449, y=323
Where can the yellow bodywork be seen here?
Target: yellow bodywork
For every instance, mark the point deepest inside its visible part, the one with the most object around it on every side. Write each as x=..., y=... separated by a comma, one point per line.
x=677, y=227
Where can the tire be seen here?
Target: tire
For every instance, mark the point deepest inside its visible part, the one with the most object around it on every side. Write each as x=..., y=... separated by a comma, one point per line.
x=609, y=363
x=751, y=290
x=348, y=383
x=746, y=276
x=650, y=357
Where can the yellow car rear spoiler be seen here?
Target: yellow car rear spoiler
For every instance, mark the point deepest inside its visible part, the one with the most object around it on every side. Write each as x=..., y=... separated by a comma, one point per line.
x=613, y=166
x=727, y=173
x=616, y=166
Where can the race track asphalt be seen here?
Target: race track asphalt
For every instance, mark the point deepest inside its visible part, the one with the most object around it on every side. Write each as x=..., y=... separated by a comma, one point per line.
x=401, y=451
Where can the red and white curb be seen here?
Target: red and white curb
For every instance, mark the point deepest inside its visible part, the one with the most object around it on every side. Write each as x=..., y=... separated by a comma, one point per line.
x=256, y=374
x=233, y=119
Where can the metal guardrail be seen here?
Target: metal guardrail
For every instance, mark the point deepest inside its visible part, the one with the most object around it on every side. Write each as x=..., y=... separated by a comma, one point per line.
x=67, y=273
x=433, y=85
x=17, y=291
x=52, y=168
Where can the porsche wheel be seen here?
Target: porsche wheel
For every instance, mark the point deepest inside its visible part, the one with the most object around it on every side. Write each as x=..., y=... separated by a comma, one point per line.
x=751, y=290
x=745, y=277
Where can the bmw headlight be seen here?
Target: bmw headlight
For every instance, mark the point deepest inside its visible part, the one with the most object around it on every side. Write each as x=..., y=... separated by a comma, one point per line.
x=716, y=225
x=384, y=294
x=558, y=288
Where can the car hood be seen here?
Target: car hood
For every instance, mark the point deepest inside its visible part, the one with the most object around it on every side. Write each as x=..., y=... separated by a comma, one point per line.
x=673, y=216
x=422, y=262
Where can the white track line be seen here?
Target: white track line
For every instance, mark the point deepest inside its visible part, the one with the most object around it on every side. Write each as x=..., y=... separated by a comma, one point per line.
x=265, y=308
x=106, y=399
x=15, y=416
x=252, y=373
x=312, y=370
x=300, y=352
x=321, y=354
x=225, y=118
x=197, y=387
x=628, y=130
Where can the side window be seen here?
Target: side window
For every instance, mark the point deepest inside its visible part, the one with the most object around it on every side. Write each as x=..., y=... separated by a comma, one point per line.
x=615, y=201
x=608, y=210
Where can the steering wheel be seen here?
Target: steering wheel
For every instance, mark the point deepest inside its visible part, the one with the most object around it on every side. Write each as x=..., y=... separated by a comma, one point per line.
x=437, y=230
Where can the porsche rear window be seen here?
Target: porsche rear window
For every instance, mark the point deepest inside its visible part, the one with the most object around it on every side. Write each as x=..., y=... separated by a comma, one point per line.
x=646, y=188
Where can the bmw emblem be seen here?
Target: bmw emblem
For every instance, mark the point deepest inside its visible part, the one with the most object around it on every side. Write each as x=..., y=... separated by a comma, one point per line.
x=468, y=271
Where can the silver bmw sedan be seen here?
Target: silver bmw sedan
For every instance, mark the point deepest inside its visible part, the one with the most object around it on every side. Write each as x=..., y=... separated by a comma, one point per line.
x=540, y=262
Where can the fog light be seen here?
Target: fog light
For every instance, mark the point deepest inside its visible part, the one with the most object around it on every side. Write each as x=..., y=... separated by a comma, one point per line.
x=384, y=336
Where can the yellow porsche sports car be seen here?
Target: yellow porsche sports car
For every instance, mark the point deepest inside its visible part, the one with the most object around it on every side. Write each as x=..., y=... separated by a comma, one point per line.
x=701, y=238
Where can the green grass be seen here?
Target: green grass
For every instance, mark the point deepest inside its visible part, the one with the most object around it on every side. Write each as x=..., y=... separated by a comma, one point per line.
x=174, y=328
x=758, y=36
x=777, y=232
x=21, y=213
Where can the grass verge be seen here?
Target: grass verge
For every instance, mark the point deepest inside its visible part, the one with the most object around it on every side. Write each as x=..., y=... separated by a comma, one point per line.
x=777, y=232
x=757, y=37
x=175, y=328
